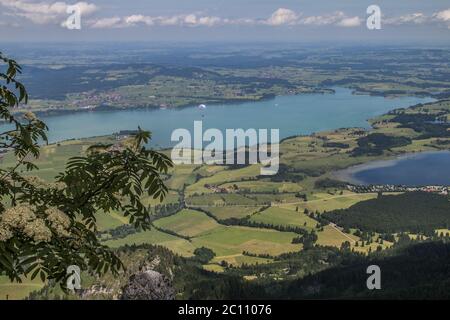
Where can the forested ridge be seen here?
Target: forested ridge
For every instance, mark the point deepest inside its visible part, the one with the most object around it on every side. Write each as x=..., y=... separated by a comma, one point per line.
x=408, y=212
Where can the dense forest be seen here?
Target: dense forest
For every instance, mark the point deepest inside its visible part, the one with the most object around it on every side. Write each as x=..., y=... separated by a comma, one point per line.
x=417, y=212
x=412, y=270
x=418, y=271
x=375, y=143
x=428, y=125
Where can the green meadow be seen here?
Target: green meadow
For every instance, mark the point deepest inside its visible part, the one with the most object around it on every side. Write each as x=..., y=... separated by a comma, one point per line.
x=284, y=217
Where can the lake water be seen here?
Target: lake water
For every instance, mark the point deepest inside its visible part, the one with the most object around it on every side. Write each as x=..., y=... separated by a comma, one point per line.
x=427, y=168
x=292, y=115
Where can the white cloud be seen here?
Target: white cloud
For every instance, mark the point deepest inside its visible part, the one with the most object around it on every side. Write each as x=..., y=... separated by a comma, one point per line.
x=443, y=15
x=282, y=16
x=44, y=12
x=138, y=18
x=349, y=22
x=412, y=18
x=107, y=23
x=54, y=12
x=337, y=18
x=209, y=21
x=324, y=19
x=418, y=18
x=190, y=20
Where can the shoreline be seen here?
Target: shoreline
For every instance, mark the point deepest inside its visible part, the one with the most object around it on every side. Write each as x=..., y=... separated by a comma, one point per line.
x=267, y=97
x=107, y=108
x=347, y=174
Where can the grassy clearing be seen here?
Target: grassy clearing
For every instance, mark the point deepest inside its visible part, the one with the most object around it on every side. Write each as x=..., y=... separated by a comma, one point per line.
x=213, y=268
x=240, y=259
x=171, y=197
x=223, y=213
x=274, y=199
x=235, y=260
x=215, y=199
x=234, y=240
x=181, y=175
x=188, y=223
x=250, y=172
x=331, y=236
x=284, y=217
x=228, y=242
x=326, y=202
x=153, y=236
x=263, y=186
x=238, y=199
x=220, y=199
x=417, y=146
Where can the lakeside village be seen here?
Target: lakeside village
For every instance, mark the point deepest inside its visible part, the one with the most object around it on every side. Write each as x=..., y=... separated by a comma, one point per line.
x=442, y=190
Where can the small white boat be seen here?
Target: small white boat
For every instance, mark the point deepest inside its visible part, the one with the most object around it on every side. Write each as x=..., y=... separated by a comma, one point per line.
x=202, y=106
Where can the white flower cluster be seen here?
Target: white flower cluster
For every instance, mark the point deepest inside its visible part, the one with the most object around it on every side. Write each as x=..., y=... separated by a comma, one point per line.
x=22, y=220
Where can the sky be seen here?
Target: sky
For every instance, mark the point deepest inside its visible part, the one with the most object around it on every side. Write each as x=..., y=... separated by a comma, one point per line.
x=402, y=21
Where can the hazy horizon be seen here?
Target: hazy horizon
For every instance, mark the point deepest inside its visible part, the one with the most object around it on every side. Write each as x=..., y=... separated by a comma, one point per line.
x=405, y=21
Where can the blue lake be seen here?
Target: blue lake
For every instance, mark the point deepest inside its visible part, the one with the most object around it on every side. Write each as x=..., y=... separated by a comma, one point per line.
x=427, y=168
x=292, y=115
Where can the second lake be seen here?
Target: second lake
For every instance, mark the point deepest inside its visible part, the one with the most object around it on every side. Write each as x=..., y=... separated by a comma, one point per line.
x=426, y=168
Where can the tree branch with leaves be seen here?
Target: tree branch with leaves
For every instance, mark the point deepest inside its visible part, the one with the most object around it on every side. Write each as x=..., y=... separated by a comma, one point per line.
x=46, y=227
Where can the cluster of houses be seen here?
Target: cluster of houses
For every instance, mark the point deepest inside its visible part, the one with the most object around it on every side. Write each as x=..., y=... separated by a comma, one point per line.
x=91, y=99
x=125, y=134
x=444, y=190
x=218, y=189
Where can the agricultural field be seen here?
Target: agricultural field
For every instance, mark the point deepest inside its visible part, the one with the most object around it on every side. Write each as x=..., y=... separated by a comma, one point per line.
x=332, y=236
x=283, y=217
x=239, y=212
x=221, y=199
x=273, y=198
x=230, y=242
x=263, y=186
x=180, y=176
x=188, y=223
x=171, y=197
x=213, y=268
x=227, y=242
x=321, y=202
x=153, y=236
x=229, y=175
